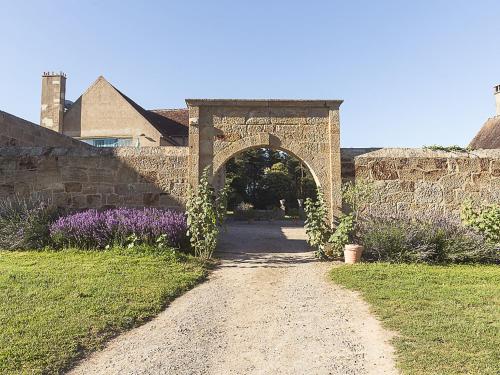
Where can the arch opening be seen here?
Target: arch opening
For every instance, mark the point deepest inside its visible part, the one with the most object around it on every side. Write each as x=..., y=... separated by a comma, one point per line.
x=267, y=179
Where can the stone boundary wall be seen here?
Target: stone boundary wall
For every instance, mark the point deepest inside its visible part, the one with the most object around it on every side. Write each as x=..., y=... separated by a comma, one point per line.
x=421, y=181
x=17, y=132
x=347, y=156
x=97, y=177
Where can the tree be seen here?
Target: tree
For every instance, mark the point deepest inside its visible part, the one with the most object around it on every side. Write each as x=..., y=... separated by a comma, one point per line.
x=276, y=184
x=263, y=176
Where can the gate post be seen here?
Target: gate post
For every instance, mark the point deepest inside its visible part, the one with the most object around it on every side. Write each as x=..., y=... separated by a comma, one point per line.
x=335, y=194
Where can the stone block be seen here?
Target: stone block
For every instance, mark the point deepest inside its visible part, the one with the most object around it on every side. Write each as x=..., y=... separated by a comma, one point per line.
x=123, y=189
x=126, y=174
x=113, y=199
x=481, y=178
x=145, y=188
x=73, y=187
x=94, y=200
x=495, y=168
x=62, y=199
x=411, y=174
x=79, y=201
x=151, y=199
x=428, y=192
x=148, y=177
x=468, y=165
x=383, y=170
x=453, y=180
x=434, y=174
x=74, y=174
x=101, y=175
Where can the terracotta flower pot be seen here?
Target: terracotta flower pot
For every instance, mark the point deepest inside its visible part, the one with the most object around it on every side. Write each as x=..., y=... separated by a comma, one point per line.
x=352, y=253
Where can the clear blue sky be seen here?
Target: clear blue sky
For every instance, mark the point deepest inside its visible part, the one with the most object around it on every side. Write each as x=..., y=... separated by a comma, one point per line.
x=411, y=73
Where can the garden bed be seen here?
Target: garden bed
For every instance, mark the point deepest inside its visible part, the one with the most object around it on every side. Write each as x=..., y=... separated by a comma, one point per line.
x=447, y=317
x=58, y=306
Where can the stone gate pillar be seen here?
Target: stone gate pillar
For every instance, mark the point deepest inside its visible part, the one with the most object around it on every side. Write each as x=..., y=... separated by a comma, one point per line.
x=335, y=198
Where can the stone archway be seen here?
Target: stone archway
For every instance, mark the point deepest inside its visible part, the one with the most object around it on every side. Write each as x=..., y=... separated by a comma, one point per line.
x=308, y=129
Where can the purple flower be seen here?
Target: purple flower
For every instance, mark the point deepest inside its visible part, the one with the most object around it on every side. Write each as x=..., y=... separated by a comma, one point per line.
x=96, y=229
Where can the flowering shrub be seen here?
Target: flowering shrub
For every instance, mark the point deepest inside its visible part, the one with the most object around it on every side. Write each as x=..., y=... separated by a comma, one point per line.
x=121, y=226
x=432, y=239
x=24, y=222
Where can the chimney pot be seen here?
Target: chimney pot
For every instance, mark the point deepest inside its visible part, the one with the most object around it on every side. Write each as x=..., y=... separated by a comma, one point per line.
x=497, y=99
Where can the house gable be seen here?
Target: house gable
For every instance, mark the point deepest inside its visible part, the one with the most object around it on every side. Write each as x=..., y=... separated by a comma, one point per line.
x=103, y=112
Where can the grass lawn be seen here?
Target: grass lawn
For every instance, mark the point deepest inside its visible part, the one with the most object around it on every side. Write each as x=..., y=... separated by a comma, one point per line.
x=447, y=318
x=57, y=306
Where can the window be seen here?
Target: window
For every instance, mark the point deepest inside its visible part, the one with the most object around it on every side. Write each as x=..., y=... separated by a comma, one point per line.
x=108, y=142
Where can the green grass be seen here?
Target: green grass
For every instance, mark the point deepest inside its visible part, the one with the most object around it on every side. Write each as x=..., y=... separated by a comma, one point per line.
x=447, y=318
x=57, y=306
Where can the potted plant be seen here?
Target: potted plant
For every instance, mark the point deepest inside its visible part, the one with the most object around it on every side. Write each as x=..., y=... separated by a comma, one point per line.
x=344, y=237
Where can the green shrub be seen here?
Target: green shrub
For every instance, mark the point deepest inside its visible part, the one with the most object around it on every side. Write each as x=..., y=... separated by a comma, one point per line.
x=317, y=228
x=25, y=221
x=205, y=214
x=425, y=240
x=485, y=220
x=452, y=148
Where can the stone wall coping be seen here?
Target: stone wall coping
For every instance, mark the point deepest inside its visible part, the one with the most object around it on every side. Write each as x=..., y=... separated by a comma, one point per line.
x=95, y=151
x=316, y=103
x=50, y=136
x=426, y=153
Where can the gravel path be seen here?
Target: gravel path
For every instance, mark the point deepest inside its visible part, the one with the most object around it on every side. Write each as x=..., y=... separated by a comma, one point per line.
x=268, y=309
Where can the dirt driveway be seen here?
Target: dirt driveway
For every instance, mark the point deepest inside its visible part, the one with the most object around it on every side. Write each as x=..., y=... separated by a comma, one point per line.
x=268, y=309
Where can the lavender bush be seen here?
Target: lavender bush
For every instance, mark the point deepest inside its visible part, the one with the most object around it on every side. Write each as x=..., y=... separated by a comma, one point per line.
x=431, y=239
x=24, y=222
x=118, y=227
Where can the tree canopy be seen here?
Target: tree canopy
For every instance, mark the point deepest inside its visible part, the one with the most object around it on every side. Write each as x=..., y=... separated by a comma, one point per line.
x=263, y=176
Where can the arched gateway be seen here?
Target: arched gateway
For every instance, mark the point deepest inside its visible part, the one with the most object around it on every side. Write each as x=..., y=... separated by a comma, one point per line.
x=307, y=129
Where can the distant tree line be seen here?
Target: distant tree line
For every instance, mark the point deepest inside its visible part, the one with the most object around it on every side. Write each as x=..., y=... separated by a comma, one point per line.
x=262, y=177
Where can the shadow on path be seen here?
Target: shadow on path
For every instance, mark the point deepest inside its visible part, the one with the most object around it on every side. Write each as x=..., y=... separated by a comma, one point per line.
x=264, y=244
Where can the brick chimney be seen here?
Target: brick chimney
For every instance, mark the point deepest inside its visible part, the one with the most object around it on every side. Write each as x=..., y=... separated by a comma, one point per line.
x=497, y=99
x=53, y=96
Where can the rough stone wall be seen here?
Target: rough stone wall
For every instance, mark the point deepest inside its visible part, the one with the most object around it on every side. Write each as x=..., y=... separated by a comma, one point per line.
x=309, y=130
x=15, y=131
x=421, y=181
x=347, y=156
x=84, y=178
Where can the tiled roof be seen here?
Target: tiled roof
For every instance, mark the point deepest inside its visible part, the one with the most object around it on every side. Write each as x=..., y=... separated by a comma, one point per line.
x=179, y=115
x=168, y=126
x=489, y=135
